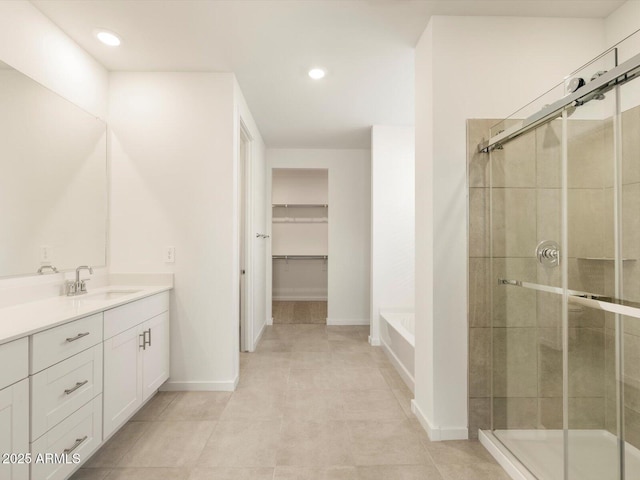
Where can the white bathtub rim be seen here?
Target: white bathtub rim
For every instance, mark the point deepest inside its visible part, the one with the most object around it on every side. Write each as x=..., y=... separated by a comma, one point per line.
x=388, y=316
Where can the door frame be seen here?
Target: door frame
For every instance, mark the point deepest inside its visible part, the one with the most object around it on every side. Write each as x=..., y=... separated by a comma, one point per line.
x=245, y=190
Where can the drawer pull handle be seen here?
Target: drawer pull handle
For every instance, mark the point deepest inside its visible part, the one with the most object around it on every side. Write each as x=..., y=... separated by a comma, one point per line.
x=78, y=385
x=144, y=342
x=77, y=337
x=79, y=441
x=147, y=342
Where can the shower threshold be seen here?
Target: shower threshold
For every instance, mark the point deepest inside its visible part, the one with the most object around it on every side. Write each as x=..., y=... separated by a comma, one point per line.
x=593, y=454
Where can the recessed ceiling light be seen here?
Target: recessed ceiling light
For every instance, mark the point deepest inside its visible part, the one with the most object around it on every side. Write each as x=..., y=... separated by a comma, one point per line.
x=317, y=73
x=108, y=38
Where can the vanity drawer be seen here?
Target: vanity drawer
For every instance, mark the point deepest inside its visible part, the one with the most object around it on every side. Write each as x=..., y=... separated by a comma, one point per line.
x=80, y=434
x=14, y=359
x=54, y=345
x=127, y=316
x=62, y=389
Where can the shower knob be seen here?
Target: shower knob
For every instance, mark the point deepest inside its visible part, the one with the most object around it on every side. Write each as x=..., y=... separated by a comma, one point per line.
x=548, y=253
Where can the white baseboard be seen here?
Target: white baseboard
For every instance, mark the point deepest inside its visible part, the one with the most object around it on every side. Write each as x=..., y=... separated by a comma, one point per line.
x=229, y=386
x=348, y=321
x=400, y=368
x=437, y=434
x=259, y=336
x=504, y=457
x=373, y=341
x=270, y=321
x=300, y=298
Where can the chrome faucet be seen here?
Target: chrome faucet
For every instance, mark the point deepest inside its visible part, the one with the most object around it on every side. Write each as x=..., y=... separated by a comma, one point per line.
x=47, y=267
x=79, y=287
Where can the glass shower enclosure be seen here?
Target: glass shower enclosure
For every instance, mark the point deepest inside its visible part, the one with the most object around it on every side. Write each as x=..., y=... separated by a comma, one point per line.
x=565, y=269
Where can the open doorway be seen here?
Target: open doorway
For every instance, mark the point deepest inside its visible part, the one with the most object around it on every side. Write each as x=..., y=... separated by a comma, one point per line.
x=300, y=250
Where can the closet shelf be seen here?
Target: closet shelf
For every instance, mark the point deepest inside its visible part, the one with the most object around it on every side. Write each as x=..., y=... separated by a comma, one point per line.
x=300, y=220
x=300, y=205
x=300, y=257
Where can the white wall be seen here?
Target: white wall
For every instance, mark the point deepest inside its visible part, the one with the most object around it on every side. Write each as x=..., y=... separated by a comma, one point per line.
x=34, y=45
x=174, y=183
x=468, y=67
x=622, y=23
x=349, y=226
x=392, y=222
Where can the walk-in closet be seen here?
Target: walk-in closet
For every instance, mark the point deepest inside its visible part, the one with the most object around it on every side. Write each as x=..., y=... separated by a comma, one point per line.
x=300, y=232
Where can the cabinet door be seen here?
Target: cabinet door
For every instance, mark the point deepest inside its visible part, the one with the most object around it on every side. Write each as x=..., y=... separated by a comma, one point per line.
x=122, y=390
x=156, y=354
x=14, y=429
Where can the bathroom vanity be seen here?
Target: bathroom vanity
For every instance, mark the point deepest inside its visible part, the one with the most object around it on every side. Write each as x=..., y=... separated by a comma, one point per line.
x=74, y=370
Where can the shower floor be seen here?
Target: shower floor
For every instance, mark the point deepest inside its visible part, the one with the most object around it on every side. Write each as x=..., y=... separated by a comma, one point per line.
x=593, y=454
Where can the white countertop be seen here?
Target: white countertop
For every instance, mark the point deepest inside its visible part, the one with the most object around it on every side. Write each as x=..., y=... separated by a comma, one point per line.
x=28, y=318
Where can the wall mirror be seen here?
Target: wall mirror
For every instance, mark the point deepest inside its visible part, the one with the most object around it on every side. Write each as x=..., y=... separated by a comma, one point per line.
x=53, y=180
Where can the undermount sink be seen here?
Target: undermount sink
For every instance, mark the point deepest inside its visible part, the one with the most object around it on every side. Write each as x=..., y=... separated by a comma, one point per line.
x=109, y=295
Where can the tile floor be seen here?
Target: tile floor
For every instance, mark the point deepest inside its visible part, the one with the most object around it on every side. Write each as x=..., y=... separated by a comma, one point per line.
x=313, y=403
x=299, y=312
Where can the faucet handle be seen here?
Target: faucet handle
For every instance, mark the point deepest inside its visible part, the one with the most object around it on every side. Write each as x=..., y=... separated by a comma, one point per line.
x=83, y=285
x=70, y=287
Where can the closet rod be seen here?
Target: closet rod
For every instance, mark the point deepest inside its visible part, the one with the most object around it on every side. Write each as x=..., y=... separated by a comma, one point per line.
x=300, y=257
x=300, y=205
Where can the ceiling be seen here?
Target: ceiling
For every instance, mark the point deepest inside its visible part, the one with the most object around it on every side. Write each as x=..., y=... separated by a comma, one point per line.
x=366, y=46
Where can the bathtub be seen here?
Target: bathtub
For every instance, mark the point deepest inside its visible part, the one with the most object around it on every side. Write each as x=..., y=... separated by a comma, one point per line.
x=398, y=341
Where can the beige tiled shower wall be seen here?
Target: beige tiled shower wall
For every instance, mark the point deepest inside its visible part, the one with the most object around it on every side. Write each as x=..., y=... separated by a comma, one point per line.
x=630, y=280
x=527, y=335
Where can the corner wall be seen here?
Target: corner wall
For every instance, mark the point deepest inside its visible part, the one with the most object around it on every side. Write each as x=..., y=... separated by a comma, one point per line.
x=174, y=183
x=468, y=67
x=349, y=226
x=392, y=222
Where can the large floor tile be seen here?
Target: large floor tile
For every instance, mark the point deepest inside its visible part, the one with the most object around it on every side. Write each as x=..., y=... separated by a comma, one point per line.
x=371, y=405
x=399, y=472
x=255, y=405
x=269, y=361
x=311, y=360
x=473, y=472
x=386, y=443
x=316, y=473
x=169, y=444
x=360, y=379
x=149, y=474
x=313, y=405
x=91, y=474
x=314, y=443
x=243, y=443
x=458, y=452
x=152, y=411
x=312, y=378
x=264, y=378
x=197, y=406
x=231, y=473
x=112, y=452
x=353, y=359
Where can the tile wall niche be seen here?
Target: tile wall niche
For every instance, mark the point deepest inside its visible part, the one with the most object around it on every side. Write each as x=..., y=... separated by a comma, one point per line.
x=527, y=335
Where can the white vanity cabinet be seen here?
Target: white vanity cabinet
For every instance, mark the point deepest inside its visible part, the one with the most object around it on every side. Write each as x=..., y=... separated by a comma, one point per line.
x=66, y=400
x=136, y=356
x=14, y=409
